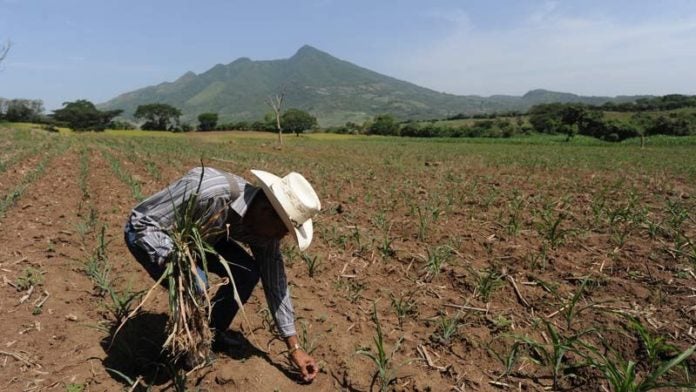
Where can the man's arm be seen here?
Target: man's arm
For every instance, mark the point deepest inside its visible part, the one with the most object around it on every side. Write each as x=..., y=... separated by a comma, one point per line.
x=275, y=287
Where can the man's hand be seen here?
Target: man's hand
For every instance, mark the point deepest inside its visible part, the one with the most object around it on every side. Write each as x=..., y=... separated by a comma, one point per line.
x=307, y=365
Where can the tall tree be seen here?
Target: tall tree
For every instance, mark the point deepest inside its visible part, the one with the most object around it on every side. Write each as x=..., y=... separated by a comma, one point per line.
x=384, y=124
x=21, y=110
x=571, y=115
x=207, y=121
x=641, y=122
x=276, y=103
x=296, y=120
x=82, y=115
x=158, y=116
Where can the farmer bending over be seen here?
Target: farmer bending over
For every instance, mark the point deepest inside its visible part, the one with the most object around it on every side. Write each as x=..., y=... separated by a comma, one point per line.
x=256, y=216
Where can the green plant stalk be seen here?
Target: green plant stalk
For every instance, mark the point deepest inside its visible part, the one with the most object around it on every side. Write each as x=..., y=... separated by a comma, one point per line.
x=570, y=308
x=623, y=375
x=312, y=264
x=382, y=360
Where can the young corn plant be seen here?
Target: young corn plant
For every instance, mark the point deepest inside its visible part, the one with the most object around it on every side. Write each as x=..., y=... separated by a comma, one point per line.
x=122, y=302
x=488, y=200
x=423, y=222
x=624, y=219
x=360, y=247
x=312, y=263
x=624, y=376
x=677, y=214
x=508, y=361
x=308, y=343
x=354, y=289
x=656, y=347
x=385, y=246
x=379, y=220
x=654, y=228
x=598, y=206
x=447, y=329
x=554, y=354
x=29, y=277
x=570, y=310
x=98, y=268
x=436, y=258
x=551, y=226
x=333, y=235
x=384, y=226
x=404, y=306
x=386, y=372
x=515, y=214
x=487, y=281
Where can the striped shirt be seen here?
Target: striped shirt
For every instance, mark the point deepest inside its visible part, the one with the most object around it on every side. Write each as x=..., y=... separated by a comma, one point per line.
x=223, y=199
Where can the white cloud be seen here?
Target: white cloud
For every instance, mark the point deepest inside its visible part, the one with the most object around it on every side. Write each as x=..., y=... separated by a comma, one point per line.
x=548, y=49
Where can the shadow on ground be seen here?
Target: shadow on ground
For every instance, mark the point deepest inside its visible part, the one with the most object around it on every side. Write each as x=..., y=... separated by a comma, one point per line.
x=247, y=350
x=136, y=353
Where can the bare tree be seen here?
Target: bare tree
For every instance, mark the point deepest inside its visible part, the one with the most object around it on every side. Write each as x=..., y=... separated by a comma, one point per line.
x=276, y=103
x=4, y=49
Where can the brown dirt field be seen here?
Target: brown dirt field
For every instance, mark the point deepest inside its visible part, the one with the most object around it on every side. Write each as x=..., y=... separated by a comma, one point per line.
x=497, y=282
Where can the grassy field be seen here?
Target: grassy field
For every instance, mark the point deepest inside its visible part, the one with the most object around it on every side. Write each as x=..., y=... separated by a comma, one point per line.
x=438, y=264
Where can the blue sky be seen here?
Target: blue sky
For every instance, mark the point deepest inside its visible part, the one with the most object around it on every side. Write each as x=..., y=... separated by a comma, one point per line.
x=66, y=50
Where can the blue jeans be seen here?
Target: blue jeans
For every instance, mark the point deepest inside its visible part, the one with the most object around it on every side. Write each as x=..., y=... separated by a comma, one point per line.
x=244, y=270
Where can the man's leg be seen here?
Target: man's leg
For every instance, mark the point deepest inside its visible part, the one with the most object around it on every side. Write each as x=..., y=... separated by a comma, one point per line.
x=246, y=275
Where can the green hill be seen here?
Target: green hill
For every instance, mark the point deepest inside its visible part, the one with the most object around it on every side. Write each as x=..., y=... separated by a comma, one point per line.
x=333, y=90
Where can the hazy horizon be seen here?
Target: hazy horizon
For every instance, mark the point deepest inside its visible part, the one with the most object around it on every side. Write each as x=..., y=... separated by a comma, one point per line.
x=98, y=50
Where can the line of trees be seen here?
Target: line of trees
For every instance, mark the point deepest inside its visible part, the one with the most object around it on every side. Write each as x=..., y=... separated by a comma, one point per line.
x=568, y=119
x=83, y=115
x=386, y=124
x=666, y=102
x=572, y=119
x=165, y=117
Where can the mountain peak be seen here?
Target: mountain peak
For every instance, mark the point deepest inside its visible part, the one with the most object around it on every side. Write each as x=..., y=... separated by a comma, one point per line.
x=537, y=92
x=309, y=51
x=241, y=60
x=190, y=75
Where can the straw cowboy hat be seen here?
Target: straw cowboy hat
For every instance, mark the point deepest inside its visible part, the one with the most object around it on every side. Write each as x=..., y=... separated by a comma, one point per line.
x=295, y=202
